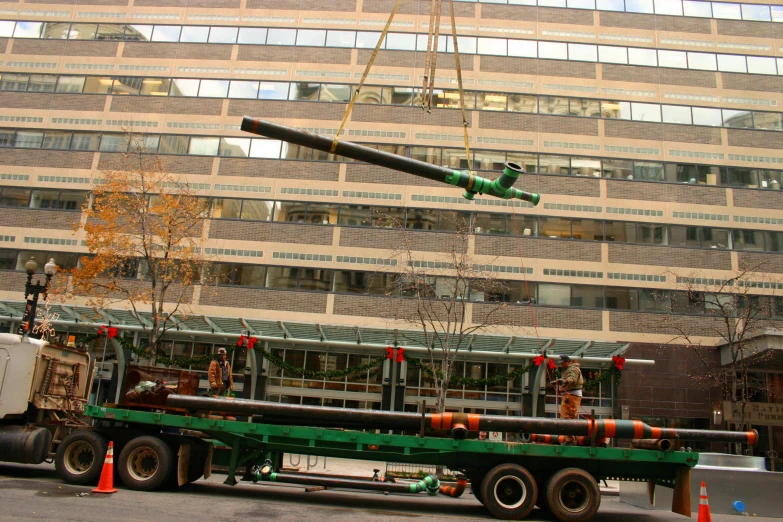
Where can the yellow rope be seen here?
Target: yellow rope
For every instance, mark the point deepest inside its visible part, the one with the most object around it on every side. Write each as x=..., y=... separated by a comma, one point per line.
x=461, y=94
x=428, y=56
x=364, y=77
x=434, y=63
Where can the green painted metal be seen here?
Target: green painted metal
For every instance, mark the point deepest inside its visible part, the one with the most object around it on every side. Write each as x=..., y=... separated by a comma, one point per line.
x=250, y=442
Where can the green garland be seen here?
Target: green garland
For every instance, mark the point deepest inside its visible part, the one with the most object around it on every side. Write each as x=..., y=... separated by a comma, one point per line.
x=469, y=381
x=290, y=369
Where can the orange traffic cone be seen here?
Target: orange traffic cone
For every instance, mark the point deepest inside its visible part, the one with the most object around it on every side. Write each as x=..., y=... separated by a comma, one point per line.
x=106, y=483
x=704, y=505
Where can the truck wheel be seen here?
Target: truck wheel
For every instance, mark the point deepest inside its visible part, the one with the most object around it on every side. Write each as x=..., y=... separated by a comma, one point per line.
x=146, y=463
x=509, y=491
x=573, y=495
x=79, y=457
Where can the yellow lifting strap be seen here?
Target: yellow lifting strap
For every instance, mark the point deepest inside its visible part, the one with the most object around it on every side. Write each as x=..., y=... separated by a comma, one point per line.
x=461, y=92
x=364, y=77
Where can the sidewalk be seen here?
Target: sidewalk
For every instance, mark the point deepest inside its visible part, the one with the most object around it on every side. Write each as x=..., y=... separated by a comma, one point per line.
x=365, y=469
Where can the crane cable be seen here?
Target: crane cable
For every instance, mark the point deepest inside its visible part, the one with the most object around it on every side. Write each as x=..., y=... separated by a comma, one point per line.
x=364, y=77
x=461, y=95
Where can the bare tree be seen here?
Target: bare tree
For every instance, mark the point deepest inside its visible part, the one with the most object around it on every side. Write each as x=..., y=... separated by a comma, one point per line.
x=738, y=308
x=440, y=294
x=143, y=230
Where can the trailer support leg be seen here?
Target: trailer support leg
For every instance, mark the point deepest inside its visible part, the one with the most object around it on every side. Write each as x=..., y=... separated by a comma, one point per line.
x=236, y=447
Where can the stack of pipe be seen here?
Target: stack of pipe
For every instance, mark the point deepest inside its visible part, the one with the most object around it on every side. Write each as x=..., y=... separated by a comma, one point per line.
x=458, y=425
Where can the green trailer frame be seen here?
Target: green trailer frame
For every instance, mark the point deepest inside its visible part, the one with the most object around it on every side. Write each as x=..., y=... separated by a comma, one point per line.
x=253, y=444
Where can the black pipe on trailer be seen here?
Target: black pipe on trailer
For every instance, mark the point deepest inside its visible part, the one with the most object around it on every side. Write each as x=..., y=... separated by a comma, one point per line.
x=501, y=187
x=455, y=423
x=430, y=484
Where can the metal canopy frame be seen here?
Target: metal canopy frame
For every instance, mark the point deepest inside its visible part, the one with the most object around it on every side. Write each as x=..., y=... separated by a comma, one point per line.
x=203, y=326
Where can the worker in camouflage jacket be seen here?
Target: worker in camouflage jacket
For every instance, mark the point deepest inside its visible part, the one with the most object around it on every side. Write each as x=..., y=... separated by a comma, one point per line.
x=570, y=386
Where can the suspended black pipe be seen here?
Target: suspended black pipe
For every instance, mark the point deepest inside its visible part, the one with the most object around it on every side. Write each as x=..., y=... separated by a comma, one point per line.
x=318, y=416
x=501, y=187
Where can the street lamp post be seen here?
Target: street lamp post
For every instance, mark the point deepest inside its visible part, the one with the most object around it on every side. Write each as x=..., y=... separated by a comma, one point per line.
x=32, y=291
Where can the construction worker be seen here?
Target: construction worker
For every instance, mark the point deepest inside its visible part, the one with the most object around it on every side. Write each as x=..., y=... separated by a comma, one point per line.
x=570, y=386
x=220, y=380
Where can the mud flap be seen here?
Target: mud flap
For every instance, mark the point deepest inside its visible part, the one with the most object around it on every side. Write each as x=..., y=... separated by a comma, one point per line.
x=208, y=462
x=183, y=464
x=681, y=499
x=651, y=492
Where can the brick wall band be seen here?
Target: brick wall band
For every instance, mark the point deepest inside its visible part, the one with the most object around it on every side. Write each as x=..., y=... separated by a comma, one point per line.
x=658, y=75
x=270, y=232
x=571, y=186
x=46, y=158
x=284, y=54
x=665, y=192
x=214, y=4
x=538, y=248
x=537, y=14
x=48, y=101
x=417, y=7
x=664, y=256
x=64, y=47
x=201, y=166
x=755, y=139
x=78, y=2
x=263, y=299
x=772, y=199
x=749, y=29
x=409, y=59
x=166, y=105
x=534, y=66
x=665, y=324
x=655, y=23
x=758, y=262
x=398, y=241
x=493, y=313
x=362, y=173
x=261, y=168
x=536, y=123
x=282, y=110
x=182, y=51
x=662, y=132
x=391, y=308
x=751, y=82
x=3, y=44
x=673, y=387
x=408, y=116
x=39, y=219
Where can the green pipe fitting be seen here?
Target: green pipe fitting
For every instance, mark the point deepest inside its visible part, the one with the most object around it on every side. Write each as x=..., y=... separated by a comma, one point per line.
x=501, y=187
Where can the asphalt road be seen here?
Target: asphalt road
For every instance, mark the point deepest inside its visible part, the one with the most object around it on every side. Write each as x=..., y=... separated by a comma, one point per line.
x=35, y=493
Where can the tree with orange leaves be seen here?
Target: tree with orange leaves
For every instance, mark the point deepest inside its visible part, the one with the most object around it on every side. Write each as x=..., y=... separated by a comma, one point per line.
x=143, y=231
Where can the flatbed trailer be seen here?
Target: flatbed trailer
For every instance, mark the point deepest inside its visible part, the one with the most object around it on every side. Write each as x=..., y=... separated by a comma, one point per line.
x=509, y=478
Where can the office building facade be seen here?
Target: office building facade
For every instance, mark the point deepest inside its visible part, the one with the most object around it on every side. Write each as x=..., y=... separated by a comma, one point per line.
x=652, y=129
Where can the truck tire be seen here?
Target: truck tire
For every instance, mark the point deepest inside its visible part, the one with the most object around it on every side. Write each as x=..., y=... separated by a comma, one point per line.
x=573, y=495
x=146, y=463
x=79, y=457
x=509, y=491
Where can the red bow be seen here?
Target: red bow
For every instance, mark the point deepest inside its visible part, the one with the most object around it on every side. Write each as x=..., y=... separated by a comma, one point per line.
x=538, y=360
x=389, y=352
x=551, y=364
x=241, y=340
x=251, y=342
x=400, y=354
x=112, y=333
x=101, y=330
x=618, y=362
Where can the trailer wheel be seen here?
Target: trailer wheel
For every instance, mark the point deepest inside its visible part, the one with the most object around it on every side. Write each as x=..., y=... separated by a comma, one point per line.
x=509, y=491
x=573, y=495
x=475, y=487
x=79, y=457
x=146, y=463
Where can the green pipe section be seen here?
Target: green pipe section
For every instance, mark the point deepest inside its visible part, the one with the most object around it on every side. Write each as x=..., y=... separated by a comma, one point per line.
x=501, y=187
